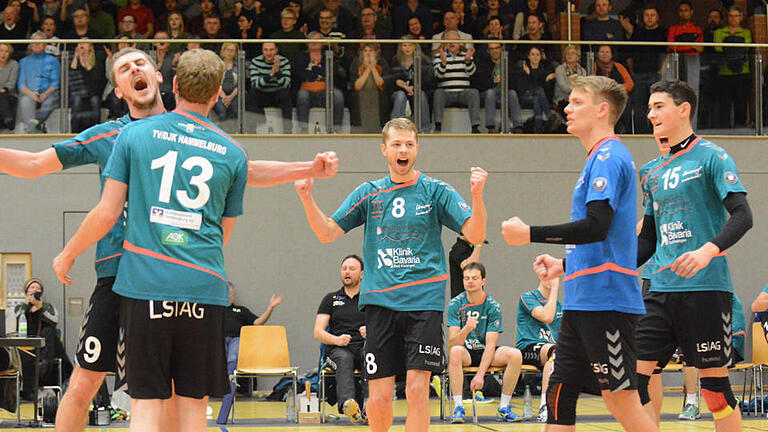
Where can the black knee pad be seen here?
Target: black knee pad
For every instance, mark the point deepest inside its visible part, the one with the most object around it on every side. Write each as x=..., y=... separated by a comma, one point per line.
x=716, y=392
x=561, y=404
x=551, y=351
x=642, y=388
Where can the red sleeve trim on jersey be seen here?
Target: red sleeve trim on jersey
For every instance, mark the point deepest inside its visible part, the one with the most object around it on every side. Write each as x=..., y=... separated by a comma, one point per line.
x=721, y=254
x=740, y=333
x=141, y=251
x=609, y=266
x=681, y=152
x=213, y=128
x=600, y=144
x=94, y=138
x=401, y=185
x=109, y=257
x=442, y=277
x=485, y=294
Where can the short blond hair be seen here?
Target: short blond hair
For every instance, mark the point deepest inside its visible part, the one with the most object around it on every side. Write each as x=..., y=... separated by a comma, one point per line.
x=400, y=123
x=603, y=89
x=198, y=75
x=288, y=12
x=123, y=52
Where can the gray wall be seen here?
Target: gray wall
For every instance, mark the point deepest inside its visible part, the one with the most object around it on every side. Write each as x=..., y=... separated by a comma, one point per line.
x=274, y=251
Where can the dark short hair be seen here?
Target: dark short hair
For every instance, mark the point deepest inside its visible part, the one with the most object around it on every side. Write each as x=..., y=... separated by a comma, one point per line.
x=685, y=2
x=679, y=91
x=475, y=266
x=650, y=6
x=355, y=256
x=494, y=18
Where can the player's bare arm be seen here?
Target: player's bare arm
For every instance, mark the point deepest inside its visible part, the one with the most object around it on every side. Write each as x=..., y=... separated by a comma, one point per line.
x=325, y=228
x=474, y=228
x=761, y=303
x=227, y=225
x=546, y=313
x=516, y=232
x=96, y=225
x=24, y=164
x=262, y=173
x=478, y=381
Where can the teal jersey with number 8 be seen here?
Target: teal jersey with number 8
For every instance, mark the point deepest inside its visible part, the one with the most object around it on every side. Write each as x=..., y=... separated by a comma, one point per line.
x=183, y=175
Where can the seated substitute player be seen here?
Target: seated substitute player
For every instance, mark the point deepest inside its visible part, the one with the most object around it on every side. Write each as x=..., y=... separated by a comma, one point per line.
x=136, y=80
x=173, y=292
x=341, y=326
x=474, y=325
x=539, y=314
x=688, y=193
x=596, y=343
x=403, y=290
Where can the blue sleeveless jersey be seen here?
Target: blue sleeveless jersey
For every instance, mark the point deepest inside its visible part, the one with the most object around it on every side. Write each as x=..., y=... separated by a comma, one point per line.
x=402, y=245
x=487, y=312
x=94, y=146
x=602, y=276
x=183, y=175
x=530, y=330
x=684, y=192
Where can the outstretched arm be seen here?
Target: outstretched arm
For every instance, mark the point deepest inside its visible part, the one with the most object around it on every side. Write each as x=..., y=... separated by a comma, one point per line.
x=270, y=173
x=273, y=302
x=24, y=164
x=325, y=228
x=474, y=227
x=95, y=226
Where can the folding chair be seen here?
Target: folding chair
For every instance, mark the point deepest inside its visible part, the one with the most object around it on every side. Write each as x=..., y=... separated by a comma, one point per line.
x=264, y=351
x=759, y=363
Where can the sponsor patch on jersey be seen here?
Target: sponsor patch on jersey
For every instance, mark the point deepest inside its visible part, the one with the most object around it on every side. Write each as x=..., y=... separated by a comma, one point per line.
x=178, y=219
x=464, y=206
x=731, y=178
x=599, y=184
x=175, y=238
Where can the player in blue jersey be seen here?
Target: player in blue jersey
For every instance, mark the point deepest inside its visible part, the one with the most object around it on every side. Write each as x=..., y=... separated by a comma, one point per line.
x=539, y=315
x=403, y=290
x=596, y=343
x=689, y=193
x=136, y=80
x=474, y=324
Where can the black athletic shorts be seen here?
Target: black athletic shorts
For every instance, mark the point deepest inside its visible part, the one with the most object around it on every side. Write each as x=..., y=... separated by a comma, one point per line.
x=97, y=345
x=476, y=356
x=596, y=351
x=532, y=354
x=699, y=322
x=398, y=341
x=178, y=341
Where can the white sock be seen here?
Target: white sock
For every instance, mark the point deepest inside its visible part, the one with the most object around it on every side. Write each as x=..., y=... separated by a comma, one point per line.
x=692, y=398
x=543, y=399
x=457, y=401
x=505, y=399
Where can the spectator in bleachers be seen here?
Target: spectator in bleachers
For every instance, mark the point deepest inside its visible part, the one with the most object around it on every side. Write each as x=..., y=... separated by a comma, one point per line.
x=101, y=24
x=487, y=30
x=345, y=21
x=733, y=76
x=288, y=31
x=368, y=30
x=488, y=80
x=246, y=30
x=464, y=19
x=166, y=64
x=370, y=97
x=38, y=87
x=603, y=27
x=535, y=31
x=226, y=106
x=255, y=12
x=710, y=66
x=403, y=80
x=402, y=15
x=270, y=77
x=212, y=26
x=310, y=76
x=325, y=20
x=145, y=19
x=564, y=72
x=415, y=28
x=644, y=62
x=383, y=15
x=176, y=31
x=628, y=22
x=78, y=29
x=534, y=83
x=29, y=14
x=531, y=7
x=86, y=83
x=302, y=20
x=607, y=65
x=9, y=74
x=454, y=65
x=127, y=27
x=48, y=26
x=196, y=25
x=12, y=30
x=690, y=62
x=451, y=24
x=51, y=8
x=161, y=18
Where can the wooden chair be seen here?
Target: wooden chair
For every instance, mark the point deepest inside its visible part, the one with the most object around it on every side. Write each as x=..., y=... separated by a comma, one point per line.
x=264, y=351
x=759, y=363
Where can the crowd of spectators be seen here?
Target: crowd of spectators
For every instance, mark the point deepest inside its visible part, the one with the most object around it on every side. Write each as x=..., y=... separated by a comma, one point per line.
x=374, y=80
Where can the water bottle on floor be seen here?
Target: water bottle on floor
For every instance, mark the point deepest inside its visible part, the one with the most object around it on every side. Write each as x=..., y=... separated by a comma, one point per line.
x=290, y=406
x=527, y=403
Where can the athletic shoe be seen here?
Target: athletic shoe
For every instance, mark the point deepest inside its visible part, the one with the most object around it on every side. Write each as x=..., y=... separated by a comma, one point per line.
x=506, y=415
x=458, y=415
x=436, y=385
x=352, y=410
x=543, y=414
x=690, y=412
x=479, y=398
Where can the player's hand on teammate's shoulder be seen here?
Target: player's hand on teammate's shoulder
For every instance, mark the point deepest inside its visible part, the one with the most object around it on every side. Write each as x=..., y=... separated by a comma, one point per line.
x=477, y=178
x=61, y=266
x=691, y=262
x=515, y=231
x=304, y=187
x=325, y=165
x=548, y=267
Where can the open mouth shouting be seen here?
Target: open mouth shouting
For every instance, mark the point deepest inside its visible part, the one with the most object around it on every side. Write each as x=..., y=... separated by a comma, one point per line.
x=402, y=162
